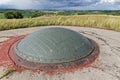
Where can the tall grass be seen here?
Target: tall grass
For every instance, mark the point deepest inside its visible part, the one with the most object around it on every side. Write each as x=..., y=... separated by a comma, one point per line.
x=96, y=21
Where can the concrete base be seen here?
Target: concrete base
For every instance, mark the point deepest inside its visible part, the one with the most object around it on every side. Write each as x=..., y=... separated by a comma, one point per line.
x=107, y=67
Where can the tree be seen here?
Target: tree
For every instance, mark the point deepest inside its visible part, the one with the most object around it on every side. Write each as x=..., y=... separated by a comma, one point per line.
x=13, y=15
x=37, y=14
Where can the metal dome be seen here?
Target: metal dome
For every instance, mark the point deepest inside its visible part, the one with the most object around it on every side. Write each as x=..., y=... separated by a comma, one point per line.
x=53, y=45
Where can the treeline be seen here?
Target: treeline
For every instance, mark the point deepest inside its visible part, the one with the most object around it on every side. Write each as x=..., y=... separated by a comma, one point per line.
x=38, y=13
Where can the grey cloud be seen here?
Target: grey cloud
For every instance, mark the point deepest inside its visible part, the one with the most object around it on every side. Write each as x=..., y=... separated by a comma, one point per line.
x=67, y=3
x=49, y=4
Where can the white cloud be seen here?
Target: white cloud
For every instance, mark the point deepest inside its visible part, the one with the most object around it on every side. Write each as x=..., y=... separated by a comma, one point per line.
x=2, y=2
x=109, y=1
x=19, y=4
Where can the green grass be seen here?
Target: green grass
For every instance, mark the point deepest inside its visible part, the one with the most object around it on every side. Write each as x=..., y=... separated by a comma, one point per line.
x=96, y=21
x=2, y=16
x=7, y=73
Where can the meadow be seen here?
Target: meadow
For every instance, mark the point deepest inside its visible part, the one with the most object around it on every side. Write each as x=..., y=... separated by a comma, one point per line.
x=2, y=16
x=96, y=21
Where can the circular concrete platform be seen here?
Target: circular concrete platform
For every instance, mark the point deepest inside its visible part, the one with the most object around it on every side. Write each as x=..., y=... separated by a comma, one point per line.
x=106, y=67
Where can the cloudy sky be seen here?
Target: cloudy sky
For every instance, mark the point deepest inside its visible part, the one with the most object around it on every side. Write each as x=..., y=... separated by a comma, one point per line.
x=61, y=4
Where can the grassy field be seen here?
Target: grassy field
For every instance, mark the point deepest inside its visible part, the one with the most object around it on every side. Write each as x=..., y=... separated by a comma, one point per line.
x=96, y=21
x=2, y=16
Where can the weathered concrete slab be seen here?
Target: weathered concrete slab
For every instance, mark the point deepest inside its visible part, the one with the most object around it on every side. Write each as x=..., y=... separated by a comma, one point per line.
x=107, y=67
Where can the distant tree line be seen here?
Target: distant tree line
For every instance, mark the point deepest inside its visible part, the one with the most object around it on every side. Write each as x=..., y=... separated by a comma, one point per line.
x=19, y=14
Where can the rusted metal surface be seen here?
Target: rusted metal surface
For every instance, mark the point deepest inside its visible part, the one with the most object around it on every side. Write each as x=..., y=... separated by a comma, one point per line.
x=61, y=66
x=53, y=45
x=69, y=49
